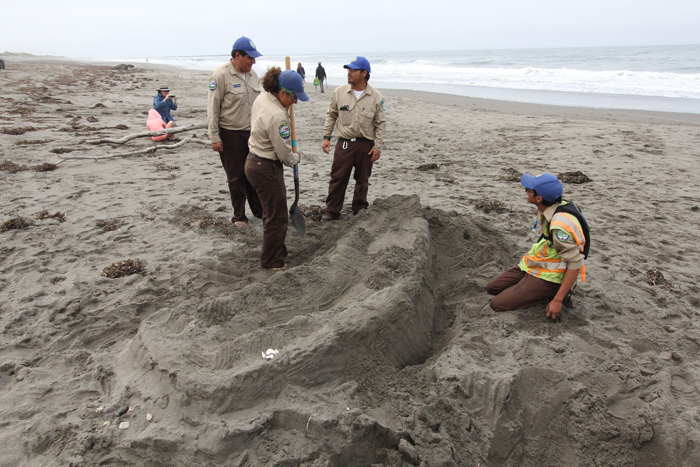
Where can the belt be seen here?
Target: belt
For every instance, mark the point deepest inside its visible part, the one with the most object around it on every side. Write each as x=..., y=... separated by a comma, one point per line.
x=263, y=159
x=352, y=140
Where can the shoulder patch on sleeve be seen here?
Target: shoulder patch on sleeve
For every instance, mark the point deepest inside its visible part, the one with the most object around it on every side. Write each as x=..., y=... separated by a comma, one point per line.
x=285, y=131
x=562, y=235
x=383, y=104
x=212, y=85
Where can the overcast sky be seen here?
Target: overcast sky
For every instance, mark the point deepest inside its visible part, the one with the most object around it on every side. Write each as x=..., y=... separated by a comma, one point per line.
x=145, y=28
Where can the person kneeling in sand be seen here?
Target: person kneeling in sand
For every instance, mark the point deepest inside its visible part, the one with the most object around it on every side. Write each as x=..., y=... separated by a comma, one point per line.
x=549, y=270
x=163, y=103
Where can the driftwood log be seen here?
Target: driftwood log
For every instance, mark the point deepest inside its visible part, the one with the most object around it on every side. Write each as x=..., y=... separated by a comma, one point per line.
x=158, y=145
x=165, y=131
x=148, y=150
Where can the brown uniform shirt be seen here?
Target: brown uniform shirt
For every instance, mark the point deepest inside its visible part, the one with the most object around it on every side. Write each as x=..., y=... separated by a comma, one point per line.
x=271, y=131
x=230, y=101
x=357, y=118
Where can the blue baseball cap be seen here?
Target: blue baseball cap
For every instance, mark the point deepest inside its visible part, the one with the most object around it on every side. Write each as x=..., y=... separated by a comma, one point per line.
x=292, y=80
x=360, y=63
x=546, y=185
x=246, y=45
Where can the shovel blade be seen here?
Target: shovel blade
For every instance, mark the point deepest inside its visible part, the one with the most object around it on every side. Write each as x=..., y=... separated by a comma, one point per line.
x=298, y=220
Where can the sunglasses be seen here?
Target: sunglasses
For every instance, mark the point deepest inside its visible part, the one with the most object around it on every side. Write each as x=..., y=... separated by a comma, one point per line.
x=528, y=190
x=291, y=94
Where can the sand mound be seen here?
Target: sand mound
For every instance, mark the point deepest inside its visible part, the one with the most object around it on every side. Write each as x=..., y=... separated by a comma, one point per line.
x=370, y=295
x=372, y=365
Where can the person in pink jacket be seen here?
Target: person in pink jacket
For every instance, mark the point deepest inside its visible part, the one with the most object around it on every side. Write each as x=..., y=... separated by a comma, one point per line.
x=156, y=123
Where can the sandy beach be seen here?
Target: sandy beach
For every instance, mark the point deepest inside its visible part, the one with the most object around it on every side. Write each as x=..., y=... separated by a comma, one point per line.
x=388, y=351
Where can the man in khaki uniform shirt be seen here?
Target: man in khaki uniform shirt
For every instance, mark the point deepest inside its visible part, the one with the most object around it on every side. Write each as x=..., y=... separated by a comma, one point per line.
x=359, y=113
x=232, y=89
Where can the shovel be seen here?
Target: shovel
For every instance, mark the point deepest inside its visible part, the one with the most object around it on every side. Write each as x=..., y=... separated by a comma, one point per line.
x=297, y=217
x=295, y=214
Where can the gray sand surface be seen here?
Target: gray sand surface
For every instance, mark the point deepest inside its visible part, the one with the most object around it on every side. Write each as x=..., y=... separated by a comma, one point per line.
x=388, y=351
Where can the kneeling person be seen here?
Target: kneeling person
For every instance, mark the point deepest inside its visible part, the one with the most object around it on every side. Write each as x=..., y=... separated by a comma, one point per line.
x=163, y=103
x=549, y=270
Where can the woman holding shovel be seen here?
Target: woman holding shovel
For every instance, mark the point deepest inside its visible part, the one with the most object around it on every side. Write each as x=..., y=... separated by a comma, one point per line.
x=270, y=146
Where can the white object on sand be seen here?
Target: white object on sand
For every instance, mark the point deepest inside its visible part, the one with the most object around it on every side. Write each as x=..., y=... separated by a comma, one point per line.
x=269, y=354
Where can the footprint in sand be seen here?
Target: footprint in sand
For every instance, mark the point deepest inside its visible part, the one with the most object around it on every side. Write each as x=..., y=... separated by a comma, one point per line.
x=684, y=391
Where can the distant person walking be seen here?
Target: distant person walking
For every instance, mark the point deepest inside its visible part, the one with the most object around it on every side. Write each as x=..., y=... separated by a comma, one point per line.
x=302, y=72
x=233, y=87
x=359, y=112
x=270, y=146
x=163, y=103
x=320, y=75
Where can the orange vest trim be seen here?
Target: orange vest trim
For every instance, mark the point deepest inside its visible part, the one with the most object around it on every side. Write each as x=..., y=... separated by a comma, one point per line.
x=570, y=226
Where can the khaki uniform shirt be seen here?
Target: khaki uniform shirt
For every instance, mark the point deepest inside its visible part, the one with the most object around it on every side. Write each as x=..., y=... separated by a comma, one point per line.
x=271, y=131
x=568, y=250
x=357, y=118
x=231, y=97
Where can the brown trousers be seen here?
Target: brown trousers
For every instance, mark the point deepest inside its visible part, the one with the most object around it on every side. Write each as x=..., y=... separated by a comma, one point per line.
x=349, y=155
x=515, y=289
x=233, y=159
x=267, y=177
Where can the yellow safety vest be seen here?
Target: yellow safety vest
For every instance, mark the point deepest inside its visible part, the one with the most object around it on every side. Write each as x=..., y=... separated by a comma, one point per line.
x=543, y=261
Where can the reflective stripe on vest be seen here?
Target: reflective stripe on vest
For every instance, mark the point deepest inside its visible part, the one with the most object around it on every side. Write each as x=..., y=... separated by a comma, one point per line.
x=569, y=223
x=543, y=261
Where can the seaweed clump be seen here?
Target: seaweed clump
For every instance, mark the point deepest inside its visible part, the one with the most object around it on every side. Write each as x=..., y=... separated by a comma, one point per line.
x=16, y=224
x=123, y=268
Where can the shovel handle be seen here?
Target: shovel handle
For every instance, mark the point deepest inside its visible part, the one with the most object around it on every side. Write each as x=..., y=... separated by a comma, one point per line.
x=287, y=63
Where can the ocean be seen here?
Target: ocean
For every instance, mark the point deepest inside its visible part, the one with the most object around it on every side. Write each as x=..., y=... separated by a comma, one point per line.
x=660, y=78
